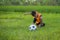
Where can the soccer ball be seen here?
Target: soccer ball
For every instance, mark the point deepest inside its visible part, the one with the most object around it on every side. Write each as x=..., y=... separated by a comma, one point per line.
x=32, y=27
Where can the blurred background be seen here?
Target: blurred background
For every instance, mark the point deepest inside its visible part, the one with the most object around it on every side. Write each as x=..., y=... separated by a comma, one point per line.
x=31, y=2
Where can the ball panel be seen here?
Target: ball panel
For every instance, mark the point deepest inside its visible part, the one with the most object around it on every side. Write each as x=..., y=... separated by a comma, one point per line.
x=32, y=27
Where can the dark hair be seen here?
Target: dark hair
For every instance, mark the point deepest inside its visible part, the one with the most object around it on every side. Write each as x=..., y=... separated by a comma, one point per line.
x=33, y=13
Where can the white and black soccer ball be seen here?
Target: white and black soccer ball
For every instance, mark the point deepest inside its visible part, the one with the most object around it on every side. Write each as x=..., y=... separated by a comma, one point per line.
x=32, y=27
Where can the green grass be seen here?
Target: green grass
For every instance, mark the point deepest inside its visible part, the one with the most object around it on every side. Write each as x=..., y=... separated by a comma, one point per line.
x=14, y=26
x=42, y=9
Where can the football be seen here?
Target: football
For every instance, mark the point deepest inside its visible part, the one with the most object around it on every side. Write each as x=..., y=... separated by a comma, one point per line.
x=32, y=27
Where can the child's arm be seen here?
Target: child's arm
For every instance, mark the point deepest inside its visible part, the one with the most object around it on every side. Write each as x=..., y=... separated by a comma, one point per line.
x=34, y=21
x=27, y=13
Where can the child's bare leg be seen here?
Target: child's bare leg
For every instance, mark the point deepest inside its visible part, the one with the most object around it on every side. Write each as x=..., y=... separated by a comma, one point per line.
x=39, y=25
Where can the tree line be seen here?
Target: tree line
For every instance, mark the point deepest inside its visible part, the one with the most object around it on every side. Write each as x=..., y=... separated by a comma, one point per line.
x=31, y=2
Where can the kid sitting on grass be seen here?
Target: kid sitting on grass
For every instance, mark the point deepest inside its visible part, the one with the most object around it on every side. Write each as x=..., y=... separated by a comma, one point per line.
x=37, y=19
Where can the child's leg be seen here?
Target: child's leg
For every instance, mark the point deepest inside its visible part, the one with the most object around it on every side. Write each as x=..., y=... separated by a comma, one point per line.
x=38, y=24
x=43, y=24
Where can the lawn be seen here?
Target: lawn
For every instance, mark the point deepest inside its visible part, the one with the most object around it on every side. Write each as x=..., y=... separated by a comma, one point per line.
x=15, y=26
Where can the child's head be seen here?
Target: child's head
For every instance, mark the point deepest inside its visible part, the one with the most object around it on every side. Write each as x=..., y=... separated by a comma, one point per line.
x=33, y=13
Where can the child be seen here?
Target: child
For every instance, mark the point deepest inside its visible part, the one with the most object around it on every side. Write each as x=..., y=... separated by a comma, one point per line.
x=37, y=19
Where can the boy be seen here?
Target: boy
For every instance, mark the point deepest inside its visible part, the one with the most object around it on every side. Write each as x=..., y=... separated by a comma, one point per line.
x=37, y=19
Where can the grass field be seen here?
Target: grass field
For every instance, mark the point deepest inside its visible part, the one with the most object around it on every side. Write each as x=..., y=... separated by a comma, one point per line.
x=42, y=9
x=14, y=26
